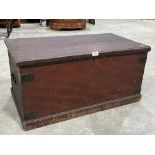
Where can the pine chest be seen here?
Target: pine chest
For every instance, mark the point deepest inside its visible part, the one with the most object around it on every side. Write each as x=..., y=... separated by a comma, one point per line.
x=59, y=78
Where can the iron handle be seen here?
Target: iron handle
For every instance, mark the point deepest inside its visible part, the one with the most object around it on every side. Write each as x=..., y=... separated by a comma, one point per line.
x=13, y=78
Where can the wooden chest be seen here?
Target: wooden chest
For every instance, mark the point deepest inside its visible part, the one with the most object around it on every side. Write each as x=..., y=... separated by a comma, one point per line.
x=59, y=78
x=59, y=24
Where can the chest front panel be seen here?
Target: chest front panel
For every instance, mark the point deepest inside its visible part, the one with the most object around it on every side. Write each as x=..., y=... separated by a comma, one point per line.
x=62, y=87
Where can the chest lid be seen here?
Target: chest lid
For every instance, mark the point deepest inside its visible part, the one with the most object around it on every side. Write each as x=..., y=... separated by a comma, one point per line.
x=35, y=51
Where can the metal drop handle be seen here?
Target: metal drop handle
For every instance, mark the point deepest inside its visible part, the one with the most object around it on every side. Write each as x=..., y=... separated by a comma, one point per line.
x=13, y=78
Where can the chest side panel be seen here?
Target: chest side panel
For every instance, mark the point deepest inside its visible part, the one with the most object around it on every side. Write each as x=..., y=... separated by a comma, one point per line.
x=62, y=87
x=16, y=88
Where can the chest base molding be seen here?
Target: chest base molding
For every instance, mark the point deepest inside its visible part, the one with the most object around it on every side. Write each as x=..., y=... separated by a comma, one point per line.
x=55, y=118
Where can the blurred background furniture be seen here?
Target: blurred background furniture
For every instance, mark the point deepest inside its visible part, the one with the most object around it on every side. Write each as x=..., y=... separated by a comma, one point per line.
x=14, y=23
x=70, y=24
x=91, y=21
x=9, y=24
x=55, y=24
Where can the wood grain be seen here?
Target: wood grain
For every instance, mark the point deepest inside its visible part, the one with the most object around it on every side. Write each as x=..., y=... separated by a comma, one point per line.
x=71, y=82
x=38, y=51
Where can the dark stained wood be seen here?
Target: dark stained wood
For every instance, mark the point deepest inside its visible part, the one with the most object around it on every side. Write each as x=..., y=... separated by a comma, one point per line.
x=69, y=24
x=16, y=88
x=81, y=83
x=15, y=23
x=66, y=88
x=46, y=120
x=29, y=51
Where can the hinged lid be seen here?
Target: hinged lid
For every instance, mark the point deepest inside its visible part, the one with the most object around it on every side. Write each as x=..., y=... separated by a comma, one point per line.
x=35, y=51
